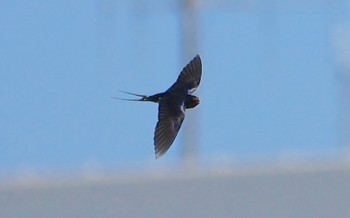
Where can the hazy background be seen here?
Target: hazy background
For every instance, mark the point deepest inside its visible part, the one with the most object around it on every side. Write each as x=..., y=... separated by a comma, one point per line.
x=275, y=84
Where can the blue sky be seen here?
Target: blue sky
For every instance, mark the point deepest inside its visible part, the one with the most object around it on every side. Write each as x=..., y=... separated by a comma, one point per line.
x=269, y=87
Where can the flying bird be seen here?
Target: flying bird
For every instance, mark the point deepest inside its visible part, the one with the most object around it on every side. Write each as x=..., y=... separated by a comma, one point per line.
x=172, y=105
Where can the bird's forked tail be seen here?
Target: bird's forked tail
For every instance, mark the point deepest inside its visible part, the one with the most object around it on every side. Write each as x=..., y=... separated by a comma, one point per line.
x=143, y=97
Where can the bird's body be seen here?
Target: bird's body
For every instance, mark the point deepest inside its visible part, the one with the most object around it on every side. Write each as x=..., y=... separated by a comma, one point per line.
x=172, y=105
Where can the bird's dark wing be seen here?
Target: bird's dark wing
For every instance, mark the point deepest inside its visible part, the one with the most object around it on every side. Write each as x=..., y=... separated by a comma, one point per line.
x=170, y=117
x=190, y=77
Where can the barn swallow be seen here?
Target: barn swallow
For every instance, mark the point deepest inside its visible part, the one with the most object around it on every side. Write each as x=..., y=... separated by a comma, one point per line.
x=172, y=105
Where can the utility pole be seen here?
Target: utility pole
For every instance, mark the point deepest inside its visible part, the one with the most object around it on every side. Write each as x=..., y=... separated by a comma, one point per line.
x=189, y=44
x=342, y=44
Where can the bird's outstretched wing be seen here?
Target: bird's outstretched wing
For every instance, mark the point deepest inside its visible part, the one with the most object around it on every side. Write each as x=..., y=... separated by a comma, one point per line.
x=189, y=78
x=170, y=117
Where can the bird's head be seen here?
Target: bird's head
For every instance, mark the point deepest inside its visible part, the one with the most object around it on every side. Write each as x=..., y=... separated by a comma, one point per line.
x=191, y=101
